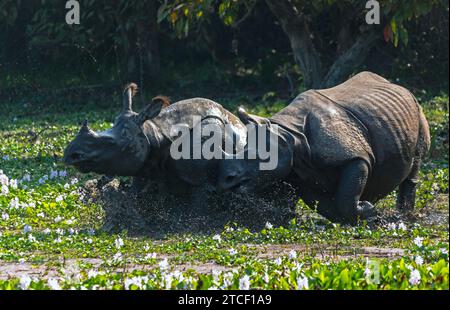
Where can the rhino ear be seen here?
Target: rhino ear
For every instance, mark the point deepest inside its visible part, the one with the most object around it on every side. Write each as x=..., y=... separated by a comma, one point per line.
x=151, y=111
x=165, y=100
x=247, y=118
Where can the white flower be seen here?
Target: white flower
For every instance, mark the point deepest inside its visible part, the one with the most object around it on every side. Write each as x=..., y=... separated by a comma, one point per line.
x=266, y=278
x=43, y=179
x=137, y=281
x=278, y=261
x=58, y=219
x=4, y=180
x=14, y=203
x=232, y=252
x=391, y=226
x=59, y=198
x=5, y=216
x=27, y=229
x=229, y=229
x=71, y=231
x=117, y=257
x=168, y=281
x=58, y=240
x=150, y=256
x=227, y=279
x=5, y=189
x=244, y=283
x=53, y=284
x=414, y=277
x=292, y=254
x=59, y=231
x=268, y=225
x=46, y=231
x=92, y=274
x=13, y=183
x=41, y=214
x=302, y=283
x=443, y=251
x=89, y=240
x=368, y=273
x=402, y=226
x=66, y=186
x=119, y=242
x=164, y=264
x=74, y=181
x=217, y=238
x=419, y=260
x=31, y=238
x=25, y=282
x=418, y=241
x=53, y=174
x=26, y=178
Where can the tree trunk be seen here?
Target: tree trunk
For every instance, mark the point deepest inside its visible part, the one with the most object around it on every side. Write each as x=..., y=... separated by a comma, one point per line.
x=309, y=59
x=296, y=28
x=142, y=47
x=349, y=60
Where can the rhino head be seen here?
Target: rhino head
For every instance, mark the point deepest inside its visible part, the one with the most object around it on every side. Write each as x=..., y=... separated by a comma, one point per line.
x=121, y=150
x=243, y=172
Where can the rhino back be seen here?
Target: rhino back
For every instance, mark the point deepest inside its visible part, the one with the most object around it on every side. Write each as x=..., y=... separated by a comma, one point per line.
x=182, y=112
x=393, y=119
x=389, y=112
x=376, y=120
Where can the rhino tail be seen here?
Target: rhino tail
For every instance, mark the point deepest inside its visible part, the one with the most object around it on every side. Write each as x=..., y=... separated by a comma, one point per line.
x=424, y=140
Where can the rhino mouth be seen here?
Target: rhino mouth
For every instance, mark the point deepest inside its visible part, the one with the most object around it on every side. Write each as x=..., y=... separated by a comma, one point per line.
x=79, y=160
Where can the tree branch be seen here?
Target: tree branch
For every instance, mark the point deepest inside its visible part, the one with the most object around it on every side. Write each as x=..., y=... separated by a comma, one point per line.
x=350, y=59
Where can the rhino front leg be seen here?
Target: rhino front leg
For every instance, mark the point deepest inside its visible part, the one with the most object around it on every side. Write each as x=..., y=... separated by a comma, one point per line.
x=351, y=185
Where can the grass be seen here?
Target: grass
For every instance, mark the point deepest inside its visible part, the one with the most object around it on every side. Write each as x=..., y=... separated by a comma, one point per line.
x=51, y=236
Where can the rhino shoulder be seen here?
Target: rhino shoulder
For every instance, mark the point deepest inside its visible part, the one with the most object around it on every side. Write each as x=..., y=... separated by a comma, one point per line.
x=336, y=138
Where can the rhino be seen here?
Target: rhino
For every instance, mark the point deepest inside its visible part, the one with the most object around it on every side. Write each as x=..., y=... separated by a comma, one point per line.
x=138, y=144
x=344, y=148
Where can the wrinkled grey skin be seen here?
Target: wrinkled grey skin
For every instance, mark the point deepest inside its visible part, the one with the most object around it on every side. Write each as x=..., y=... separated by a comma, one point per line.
x=138, y=144
x=344, y=148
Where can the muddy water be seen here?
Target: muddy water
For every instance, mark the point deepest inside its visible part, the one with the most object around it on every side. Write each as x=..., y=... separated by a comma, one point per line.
x=157, y=214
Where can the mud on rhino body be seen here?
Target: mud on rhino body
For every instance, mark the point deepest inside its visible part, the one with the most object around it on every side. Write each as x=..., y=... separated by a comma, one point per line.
x=138, y=144
x=343, y=147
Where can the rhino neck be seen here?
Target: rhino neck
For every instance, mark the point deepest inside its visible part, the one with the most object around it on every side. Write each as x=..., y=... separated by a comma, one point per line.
x=157, y=142
x=286, y=145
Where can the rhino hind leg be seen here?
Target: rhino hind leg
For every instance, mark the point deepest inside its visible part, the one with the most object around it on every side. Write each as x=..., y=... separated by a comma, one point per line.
x=407, y=190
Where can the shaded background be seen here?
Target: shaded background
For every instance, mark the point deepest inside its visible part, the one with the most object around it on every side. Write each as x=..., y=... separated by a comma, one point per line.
x=215, y=48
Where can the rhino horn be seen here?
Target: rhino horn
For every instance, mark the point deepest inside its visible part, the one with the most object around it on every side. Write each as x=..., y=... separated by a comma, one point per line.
x=128, y=94
x=84, y=127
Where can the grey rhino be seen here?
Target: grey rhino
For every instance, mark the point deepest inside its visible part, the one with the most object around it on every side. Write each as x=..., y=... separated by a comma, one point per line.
x=344, y=148
x=138, y=144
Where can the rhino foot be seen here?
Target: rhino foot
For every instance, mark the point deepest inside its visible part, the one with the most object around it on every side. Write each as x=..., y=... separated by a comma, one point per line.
x=366, y=210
